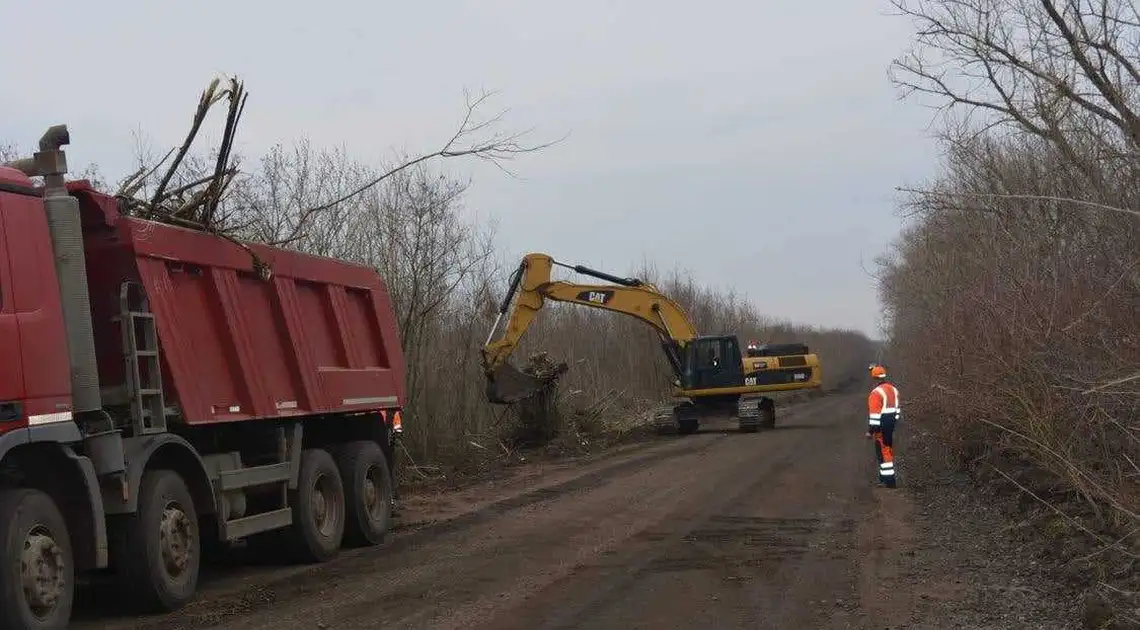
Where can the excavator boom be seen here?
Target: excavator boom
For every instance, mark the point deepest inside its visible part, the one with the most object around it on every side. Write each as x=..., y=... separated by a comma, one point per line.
x=532, y=284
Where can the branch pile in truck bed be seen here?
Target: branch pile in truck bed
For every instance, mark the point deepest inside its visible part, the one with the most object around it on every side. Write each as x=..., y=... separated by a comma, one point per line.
x=192, y=203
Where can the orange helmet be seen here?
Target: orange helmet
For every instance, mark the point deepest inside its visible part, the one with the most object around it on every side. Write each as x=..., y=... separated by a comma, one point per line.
x=878, y=371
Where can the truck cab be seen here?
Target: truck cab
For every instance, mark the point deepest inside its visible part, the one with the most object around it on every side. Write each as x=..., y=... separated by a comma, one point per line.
x=35, y=387
x=158, y=387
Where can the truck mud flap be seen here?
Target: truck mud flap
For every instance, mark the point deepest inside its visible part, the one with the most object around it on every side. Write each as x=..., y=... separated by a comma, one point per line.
x=507, y=384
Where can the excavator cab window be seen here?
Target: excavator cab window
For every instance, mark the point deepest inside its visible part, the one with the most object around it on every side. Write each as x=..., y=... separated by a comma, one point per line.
x=712, y=362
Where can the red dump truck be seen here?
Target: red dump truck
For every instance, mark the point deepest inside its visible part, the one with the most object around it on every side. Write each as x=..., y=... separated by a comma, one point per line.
x=157, y=391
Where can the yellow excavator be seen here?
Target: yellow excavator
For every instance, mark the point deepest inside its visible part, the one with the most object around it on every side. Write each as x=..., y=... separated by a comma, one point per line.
x=712, y=377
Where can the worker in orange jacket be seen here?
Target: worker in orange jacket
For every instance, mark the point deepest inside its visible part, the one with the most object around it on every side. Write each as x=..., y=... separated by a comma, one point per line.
x=883, y=412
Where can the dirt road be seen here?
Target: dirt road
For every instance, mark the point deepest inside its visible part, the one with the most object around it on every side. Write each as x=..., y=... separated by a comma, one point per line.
x=780, y=529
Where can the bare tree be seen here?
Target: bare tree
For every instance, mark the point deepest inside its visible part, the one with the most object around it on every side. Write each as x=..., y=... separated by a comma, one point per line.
x=1066, y=72
x=273, y=200
x=1013, y=295
x=414, y=231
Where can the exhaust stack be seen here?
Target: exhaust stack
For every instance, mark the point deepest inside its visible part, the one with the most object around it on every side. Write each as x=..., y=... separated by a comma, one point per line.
x=62, y=210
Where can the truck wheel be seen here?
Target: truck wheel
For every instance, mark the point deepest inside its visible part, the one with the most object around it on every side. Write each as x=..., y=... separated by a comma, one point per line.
x=38, y=580
x=367, y=491
x=318, y=508
x=158, y=549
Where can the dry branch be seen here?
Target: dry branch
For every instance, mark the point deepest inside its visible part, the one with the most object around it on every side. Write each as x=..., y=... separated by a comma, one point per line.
x=498, y=148
x=1078, y=202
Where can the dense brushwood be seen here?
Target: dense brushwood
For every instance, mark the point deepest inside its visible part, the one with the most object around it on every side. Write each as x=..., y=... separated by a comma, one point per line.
x=1014, y=292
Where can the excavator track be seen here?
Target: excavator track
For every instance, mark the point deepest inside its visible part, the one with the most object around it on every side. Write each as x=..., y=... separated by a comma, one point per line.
x=756, y=413
x=682, y=418
x=664, y=421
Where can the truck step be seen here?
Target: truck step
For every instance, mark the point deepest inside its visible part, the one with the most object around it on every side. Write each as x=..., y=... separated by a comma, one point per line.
x=250, y=525
x=254, y=476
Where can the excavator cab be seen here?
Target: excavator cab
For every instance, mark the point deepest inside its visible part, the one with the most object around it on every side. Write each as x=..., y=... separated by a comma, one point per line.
x=712, y=361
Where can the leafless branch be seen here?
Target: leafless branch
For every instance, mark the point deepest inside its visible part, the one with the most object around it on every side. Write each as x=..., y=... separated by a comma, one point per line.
x=1079, y=202
x=496, y=149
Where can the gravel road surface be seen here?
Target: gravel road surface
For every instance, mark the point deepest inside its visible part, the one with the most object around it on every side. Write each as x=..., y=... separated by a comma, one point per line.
x=780, y=529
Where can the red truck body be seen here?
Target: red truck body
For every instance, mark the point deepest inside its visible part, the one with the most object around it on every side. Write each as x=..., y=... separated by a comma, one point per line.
x=317, y=338
x=157, y=384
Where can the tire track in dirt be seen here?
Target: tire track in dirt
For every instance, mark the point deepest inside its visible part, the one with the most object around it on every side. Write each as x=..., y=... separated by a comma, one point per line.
x=650, y=552
x=777, y=550
x=547, y=558
x=534, y=547
x=884, y=534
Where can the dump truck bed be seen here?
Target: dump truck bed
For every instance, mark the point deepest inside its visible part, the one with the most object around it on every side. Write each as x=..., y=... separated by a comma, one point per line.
x=318, y=337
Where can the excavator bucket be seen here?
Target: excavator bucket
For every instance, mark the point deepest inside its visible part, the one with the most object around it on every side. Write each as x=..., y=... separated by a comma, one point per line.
x=507, y=384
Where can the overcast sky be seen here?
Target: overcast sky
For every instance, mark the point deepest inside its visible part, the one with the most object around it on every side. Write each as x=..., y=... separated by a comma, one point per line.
x=757, y=144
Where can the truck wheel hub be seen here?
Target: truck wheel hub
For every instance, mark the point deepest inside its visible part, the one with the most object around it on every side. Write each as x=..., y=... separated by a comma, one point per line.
x=174, y=536
x=326, y=516
x=42, y=570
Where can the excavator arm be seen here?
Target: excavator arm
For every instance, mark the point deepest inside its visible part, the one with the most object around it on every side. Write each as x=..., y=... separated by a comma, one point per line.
x=532, y=284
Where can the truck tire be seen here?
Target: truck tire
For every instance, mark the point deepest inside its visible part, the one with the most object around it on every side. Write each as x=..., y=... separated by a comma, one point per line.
x=318, y=508
x=367, y=492
x=158, y=550
x=33, y=529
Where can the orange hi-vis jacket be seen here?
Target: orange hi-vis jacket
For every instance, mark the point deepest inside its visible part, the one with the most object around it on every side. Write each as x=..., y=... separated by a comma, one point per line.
x=397, y=421
x=882, y=400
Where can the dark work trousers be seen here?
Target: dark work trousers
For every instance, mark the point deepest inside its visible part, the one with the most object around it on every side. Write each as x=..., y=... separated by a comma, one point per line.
x=884, y=449
x=392, y=470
